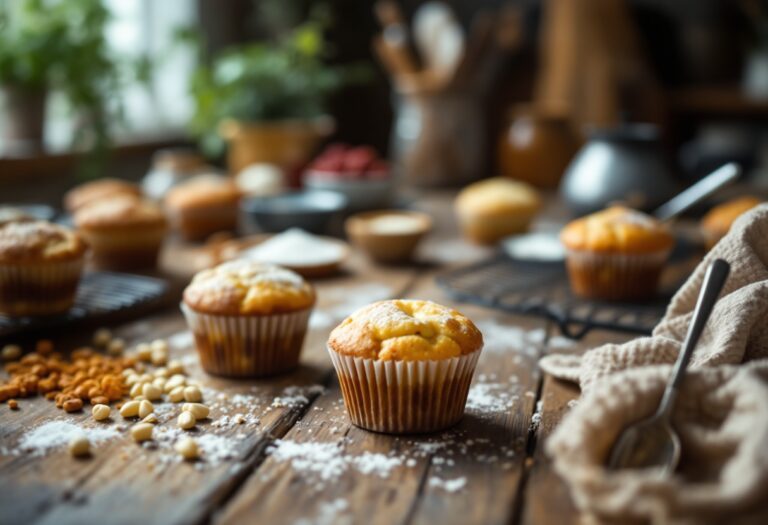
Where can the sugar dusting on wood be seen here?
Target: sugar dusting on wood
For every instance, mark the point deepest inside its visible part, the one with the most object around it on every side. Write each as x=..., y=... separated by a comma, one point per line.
x=53, y=434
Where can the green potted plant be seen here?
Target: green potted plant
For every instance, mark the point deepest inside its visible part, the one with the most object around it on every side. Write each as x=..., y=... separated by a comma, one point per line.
x=267, y=100
x=59, y=46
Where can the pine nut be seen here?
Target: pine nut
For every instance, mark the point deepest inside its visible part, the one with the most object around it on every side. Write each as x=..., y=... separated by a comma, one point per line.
x=174, y=381
x=159, y=357
x=13, y=404
x=176, y=395
x=160, y=345
x=73, y=405
x=151, y=392
x=198, y=410
x=145, y=409
x=187, y=448
x=130, y=409
x=116, y=346
x=159, y=382
x=142, y=432
x=151, y=419
x=136, y=389
x=192, y=394
x=132, y=379
x=100, y=412
x=11, y=352
x=162, y=372
x=79, y=446
x=175, y=366
x=144, y=352
x=102, y=337
x=186, y=420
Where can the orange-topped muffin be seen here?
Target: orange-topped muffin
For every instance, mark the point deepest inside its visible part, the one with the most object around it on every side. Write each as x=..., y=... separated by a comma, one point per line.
x=125, y=232
x=98, y=190
x=406, y=331
x=203, y=205
x=248, y=319
x=719, y=219
x=40, y=266
x=616, y=254
x=405, y=365
x=495, y=208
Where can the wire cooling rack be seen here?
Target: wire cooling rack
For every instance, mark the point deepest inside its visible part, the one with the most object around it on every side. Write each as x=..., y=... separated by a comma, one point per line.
x=542, y=289
x=100, y=295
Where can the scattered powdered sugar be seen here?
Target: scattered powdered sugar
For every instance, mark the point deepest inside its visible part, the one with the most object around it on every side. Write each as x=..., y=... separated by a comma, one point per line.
x=448, y=485
x=183, y=339
x=347, y=300
x=320, y=319
x=57, y=433
x=374, y=463
x=536, y=417
x=215, y=448
x=293, y=396
x=330, y=513
x=295, y=247
x=490, y=397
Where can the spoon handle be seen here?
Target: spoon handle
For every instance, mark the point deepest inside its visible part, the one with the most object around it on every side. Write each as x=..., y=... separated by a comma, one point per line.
x=713, y=283
x=719, y=178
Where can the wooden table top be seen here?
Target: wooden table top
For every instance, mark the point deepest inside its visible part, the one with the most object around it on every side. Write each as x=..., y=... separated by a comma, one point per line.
x=297, y=459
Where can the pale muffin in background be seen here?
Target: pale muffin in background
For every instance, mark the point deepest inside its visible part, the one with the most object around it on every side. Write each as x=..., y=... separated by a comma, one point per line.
x=98, y=190
x=202, y=206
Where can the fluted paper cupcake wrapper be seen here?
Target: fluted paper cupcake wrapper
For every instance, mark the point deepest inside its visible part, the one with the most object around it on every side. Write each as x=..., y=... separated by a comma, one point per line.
x=402, y=397
x=39, y=289
x=248, y=345
x=615, y=276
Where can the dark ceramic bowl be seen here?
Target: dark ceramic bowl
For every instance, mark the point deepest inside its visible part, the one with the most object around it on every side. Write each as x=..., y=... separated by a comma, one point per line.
x=310, y=210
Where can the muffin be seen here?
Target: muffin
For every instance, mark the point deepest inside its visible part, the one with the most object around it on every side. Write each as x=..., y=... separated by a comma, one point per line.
x=495, y=208
x=248, y=319
x=405, y=366
x=616, y=254
x=98, y=190
x=124, y=232
x=40, y=266
x=718, y=220
x=9, y=214
x=203, y=205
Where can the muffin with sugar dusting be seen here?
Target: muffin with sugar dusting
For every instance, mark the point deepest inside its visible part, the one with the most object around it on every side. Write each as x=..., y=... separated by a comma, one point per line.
x=40, y=267
x=405, y=365
x=248, y=319
x=616, y=254
x=101, y=190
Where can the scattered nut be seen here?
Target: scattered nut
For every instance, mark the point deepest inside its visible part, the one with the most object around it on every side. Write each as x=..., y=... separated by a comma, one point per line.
x=136, y=389
x=192, y=394
x=151, y=392
x=142, y=432
x=151, y=419
x=175, y=367
x=100, y=412
x=79, y=446
x=73, y=405
x=145, y=408
x=44, y=346
x=116, y=347
x=176, y=395
x=100, y=400
x=13, y=404
x=187, y=448
x=159, y=382
x=144, y=352
x=102, y=337
x=186, y=420
x=174, y=381
x=11, y=352
x=159, y=345
x=239, y=419
x=198, y=410
x=162, y=372
x=130, y=409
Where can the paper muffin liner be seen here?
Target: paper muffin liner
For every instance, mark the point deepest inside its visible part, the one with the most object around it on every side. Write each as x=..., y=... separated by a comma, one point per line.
x=39, y=288
x=403, y=397
x=248, y=345
x=615, y=276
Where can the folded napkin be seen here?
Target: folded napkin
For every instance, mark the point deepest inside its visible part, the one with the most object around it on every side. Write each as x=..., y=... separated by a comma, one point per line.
x=721, y=413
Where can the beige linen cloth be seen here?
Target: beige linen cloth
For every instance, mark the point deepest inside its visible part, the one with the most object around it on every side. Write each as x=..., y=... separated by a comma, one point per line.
x=721, y=412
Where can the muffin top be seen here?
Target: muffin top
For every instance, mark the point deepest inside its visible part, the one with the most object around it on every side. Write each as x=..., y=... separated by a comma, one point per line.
x=406, y=330
x=250, y=288
x=10, y=214
x=122, y=211
x=202, y=191
x=498, y=196
x=720, y=218
x=98, y=190
x=617, y=229
x=39, y=241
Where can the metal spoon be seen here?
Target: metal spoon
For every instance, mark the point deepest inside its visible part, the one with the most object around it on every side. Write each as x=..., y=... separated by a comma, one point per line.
x=707, y=186
x=652, y=442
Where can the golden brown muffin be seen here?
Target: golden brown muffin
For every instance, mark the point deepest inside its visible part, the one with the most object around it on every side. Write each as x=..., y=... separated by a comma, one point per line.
x=203, y=205
x=406, y=330
x=242, y=287
x=616, y=254
x=719, y=219
x=98, y=190
x=248, y=319
x=40, y=266
x=617, y=229
x=495, y=208
x=125, y=232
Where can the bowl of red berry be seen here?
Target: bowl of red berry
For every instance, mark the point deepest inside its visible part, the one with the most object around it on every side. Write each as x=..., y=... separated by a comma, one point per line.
x=356, y=171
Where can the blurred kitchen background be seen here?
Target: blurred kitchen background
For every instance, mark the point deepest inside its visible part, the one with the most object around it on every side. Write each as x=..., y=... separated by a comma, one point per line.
x=444, y=92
